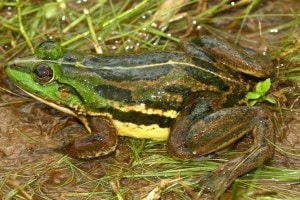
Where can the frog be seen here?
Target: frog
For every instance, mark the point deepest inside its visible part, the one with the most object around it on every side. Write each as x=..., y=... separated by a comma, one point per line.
x=192, y=98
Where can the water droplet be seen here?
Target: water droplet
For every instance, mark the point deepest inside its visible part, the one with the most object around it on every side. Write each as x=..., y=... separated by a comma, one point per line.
x=86, y=11
x=155, y=25
x=9, y=11
x=274, y=30
x=6, y=46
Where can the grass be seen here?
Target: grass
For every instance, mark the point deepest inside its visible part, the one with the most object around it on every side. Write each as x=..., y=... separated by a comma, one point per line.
x=134, y=26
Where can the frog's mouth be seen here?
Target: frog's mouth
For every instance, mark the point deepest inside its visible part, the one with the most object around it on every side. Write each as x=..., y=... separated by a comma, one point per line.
x=60, y=108
x=51, y=104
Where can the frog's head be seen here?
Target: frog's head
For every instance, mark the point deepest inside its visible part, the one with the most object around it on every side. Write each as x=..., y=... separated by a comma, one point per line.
x=40, y=76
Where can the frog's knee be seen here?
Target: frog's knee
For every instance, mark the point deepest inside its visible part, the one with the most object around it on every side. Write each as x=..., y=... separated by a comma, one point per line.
x=176, y=143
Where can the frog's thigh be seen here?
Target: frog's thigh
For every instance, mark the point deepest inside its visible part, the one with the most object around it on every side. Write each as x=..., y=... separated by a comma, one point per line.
x=222, y=128
x=194, y=136
x=101, y=141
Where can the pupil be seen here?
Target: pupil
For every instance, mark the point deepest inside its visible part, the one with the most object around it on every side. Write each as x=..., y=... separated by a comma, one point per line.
x=43, y=73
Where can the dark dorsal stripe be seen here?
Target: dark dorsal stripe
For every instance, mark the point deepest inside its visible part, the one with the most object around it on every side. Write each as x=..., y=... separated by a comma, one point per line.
x=151, y=72
x=131, y=60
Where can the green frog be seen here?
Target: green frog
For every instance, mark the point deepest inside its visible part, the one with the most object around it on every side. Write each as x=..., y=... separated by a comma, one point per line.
x=189, y=98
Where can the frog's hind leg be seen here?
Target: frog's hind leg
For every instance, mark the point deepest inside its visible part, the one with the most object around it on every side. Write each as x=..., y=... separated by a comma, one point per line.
x=261, y=151
x=221, y=129
x=100, y=142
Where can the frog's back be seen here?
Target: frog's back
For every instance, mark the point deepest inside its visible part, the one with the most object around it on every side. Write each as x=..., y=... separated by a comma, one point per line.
x=157, y=80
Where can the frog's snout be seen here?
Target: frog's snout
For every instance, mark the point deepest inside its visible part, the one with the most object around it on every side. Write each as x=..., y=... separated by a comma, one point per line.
x=21, y=64
x=10, y=64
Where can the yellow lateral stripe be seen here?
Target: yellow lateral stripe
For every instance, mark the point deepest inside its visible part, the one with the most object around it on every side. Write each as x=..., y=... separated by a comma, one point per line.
x=152, y=132
x=143, y=109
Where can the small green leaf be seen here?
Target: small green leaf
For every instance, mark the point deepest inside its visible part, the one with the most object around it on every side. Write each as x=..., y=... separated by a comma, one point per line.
x=253, y=95
x=263, y=86
x=260, y=93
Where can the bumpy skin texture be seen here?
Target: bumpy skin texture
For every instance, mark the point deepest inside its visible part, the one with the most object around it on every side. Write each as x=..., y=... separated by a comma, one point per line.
x=187, y=95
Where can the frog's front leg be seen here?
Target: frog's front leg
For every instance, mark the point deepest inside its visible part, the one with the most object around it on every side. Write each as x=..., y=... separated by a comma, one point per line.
x=194, y=135
x=100, y=142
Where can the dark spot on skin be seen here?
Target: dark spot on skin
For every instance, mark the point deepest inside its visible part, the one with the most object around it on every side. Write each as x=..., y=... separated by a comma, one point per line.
x=177, y=89
x=69, y=57
x=114, y=93
x=201, y=109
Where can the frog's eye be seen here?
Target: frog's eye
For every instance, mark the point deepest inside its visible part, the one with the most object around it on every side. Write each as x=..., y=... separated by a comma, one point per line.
x=43, y=73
